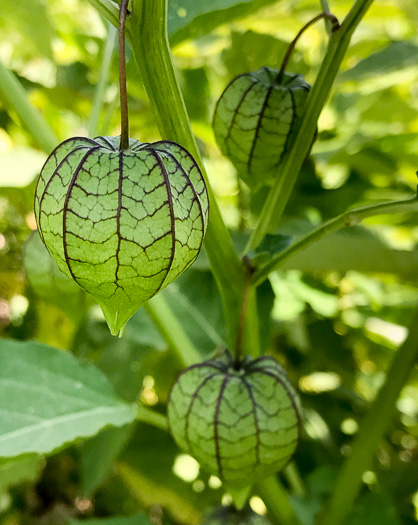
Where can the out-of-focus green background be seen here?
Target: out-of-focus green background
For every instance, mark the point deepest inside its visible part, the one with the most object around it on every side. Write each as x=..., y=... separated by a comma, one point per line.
x=337, y=316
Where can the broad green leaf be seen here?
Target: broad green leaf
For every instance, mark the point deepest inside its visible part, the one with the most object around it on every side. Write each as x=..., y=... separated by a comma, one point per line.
x=49, y=399
x=138, y=519
x=30, y=21
x=21, y=469
x=395, y=56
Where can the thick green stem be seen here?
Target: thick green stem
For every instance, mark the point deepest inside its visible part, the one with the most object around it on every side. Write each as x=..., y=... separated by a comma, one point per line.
x=103, y=80
x=279, y=194
x=148, y=31
x=349, y=218
x=372, y=430
x=172, y=331
x=276, y=500
x=243, y=314
x=15, y=96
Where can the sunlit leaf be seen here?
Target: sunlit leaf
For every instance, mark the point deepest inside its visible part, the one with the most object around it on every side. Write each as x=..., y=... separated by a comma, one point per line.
x=49, y=399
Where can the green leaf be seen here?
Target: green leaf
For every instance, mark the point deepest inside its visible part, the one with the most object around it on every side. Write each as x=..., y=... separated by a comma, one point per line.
x=17, y=470
x=395, y=56
x=146, y=490
x=49, y=399
x=356, y=248
x=49, y=282
x=195, y=299
x=98, y=456
x=188, y=18
x=374, y=508
x=28, y=19
x=270, y=245
x=138, y=519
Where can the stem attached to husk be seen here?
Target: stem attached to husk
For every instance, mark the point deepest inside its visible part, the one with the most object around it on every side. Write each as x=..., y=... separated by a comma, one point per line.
x=124, y=116
x=241, y=323
x=335, y=25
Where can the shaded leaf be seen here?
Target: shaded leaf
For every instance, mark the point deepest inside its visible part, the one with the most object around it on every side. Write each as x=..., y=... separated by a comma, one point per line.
x=17, y=470
x=138, y=519
x=374, y=508
x=189, y=19
x=49, y=282
x=28, y=19
x=354, y=249
x=394, y=57
x=269, y=246
x=195, y=299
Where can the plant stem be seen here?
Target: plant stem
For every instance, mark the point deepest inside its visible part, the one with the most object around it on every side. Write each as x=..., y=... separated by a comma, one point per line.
x=326, y=9
x=124, y=115
x=103, y=80
x=151, y=417
x=372, y=430
x=148, y=25
x=172, y=331
x=13, y=93
x=350, y=218
x=243, y=314
x=276, y=500
x=279, y=194
x=290, y=49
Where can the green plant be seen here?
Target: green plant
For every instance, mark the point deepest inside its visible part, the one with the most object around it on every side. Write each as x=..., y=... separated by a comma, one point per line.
x=98, y=411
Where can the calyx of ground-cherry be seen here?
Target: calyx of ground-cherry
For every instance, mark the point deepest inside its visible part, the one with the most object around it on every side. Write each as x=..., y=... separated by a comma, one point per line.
x=121, y=217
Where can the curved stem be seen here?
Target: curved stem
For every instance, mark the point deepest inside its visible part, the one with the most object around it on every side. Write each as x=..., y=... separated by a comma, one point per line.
x=335, y=25
x=241, y=323
x=350, y=218
x=124, y=116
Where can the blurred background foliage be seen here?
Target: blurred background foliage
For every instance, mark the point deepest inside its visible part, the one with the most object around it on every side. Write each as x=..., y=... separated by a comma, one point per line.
x=334, y=316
